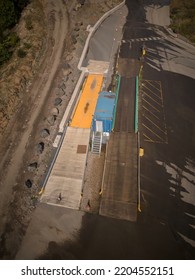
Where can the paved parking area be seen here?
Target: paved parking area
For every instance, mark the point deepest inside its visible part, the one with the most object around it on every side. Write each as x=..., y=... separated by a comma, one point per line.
x=153, y=117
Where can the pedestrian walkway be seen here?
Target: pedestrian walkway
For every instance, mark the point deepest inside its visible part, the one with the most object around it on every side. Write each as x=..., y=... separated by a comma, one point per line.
x=64, y=186
x=142, y=39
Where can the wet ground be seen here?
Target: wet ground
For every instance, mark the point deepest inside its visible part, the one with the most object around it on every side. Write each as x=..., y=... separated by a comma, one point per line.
x=105, y=238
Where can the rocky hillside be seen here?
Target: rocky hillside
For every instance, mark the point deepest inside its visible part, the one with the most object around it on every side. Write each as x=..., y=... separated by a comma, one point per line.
x=17, y=73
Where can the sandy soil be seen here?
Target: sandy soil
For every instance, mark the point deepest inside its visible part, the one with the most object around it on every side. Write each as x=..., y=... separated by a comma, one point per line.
x=93, y=182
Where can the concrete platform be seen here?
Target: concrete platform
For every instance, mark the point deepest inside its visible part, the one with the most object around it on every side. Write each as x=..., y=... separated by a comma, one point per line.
x=98, y=67
x=66, y=177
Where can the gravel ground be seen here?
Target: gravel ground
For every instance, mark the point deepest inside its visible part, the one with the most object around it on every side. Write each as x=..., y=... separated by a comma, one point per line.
x=92, y=182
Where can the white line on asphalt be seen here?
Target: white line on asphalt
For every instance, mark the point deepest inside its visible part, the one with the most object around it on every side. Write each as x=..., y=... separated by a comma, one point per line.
x=150, y=112
x=152, y=98
x=162, y=130
x=158, y=96
x=150, y=105
x=153, y=132
x=149, y=139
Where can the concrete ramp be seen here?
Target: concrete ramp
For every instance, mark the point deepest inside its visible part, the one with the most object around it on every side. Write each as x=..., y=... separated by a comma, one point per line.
x=66, y=178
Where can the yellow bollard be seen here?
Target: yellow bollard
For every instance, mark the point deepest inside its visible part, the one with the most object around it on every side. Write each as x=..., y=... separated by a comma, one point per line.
x=141, y=152
x=41, y=191
x=139, y=208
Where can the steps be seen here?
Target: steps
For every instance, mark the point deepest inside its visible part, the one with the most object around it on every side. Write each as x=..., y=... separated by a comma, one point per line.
x=96, y=142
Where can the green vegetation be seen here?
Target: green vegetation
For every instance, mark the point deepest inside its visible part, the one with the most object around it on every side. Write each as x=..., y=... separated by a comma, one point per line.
x=8, y=16
x=7, y=46
x=10, y=11
x=183, y=18
x=27, y=45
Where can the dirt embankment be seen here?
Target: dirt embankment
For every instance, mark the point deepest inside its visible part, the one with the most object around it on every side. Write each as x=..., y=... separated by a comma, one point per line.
x=35, y=91
x=17, y=74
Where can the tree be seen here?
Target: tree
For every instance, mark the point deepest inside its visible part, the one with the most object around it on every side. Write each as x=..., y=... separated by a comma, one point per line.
x=8, y=15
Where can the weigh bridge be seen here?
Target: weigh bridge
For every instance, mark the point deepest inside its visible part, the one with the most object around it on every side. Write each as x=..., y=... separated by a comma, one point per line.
x=84, y=111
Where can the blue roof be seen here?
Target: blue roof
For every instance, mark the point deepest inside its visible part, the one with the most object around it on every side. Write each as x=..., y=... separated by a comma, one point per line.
x=105, y=106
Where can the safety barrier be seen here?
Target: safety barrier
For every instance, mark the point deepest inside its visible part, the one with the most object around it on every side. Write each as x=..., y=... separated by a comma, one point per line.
x=136, y=104
x=116, y=101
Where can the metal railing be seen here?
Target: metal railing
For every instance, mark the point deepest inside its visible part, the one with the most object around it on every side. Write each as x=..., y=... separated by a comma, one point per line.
x=136, y=104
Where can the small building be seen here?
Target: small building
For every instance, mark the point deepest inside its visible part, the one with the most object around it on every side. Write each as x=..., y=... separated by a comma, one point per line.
x=104, y=112
x=103, y=120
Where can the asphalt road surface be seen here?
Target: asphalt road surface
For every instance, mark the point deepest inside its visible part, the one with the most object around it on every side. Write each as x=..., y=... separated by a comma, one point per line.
x=165, y=225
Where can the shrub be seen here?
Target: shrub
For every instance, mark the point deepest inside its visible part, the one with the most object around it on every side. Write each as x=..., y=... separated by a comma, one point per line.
x=7, y=47
x=28, y=23
x=27, y=46
x=183, y=17
x=11, y=40
x=10, y=11
x=5, y=54
x=21, y=53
